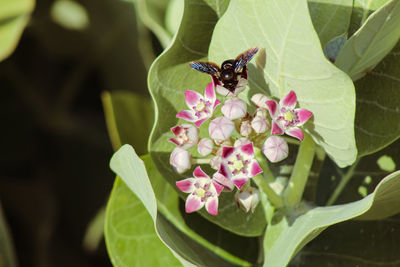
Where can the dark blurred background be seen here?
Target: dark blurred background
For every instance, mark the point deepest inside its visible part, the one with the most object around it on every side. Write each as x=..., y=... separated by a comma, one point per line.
x=55, y=178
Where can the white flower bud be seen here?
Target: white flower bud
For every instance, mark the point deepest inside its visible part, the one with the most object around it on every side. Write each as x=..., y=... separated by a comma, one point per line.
x=247, y=199
x=180, y=159
x=260, y=112
x=260, y=124
x=245, y=128
x=234, y=108
x=275, y=148
x=259, y=100
x=221, y=128
x=205, y=146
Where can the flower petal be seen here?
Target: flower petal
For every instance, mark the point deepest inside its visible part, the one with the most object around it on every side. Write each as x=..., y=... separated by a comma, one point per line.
x=227, y=151
x=289, y=100
x=218, y=187
x=303, y=115
x=199, y=173
x=221, y=180
x=295, y=132
x=193, y=203
x=212, y=205
x=200, y=122
x=175, y=141
x=247, y=149
x=186, y=185
x=255, y=168
x=239, y=182
x=276, y=128
x=224, y=170
x=192, y=98
x=186, y=115
x=272, y=108
x=209, y=92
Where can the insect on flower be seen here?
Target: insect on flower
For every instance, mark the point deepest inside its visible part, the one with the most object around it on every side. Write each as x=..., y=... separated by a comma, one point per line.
x=231, y=70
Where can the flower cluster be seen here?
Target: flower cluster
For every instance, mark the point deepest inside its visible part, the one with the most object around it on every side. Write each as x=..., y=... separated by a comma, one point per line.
x=232, y=141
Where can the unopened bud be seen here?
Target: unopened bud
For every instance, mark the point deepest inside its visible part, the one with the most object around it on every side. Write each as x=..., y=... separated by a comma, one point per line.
x=275, y=148
x=180, y=159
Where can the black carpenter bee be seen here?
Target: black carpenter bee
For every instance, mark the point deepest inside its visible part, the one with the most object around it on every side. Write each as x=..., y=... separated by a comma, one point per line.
x=230, y=69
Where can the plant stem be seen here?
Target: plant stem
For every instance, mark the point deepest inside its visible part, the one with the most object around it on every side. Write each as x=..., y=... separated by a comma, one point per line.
x=295, y=188
x=263, y=185
x=343, y=182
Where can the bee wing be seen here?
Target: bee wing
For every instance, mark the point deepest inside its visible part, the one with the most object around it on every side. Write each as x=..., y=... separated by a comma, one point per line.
x=244, y=58
x=206, y=67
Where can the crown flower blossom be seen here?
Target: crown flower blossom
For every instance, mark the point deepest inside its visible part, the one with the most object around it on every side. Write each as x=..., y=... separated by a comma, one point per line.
x=275, y=148
x=202, y=190
x=234, y=108
x=180, y=159
x=205, y=146
x=238, y=164
x=285, y=118
x=221, y=128
x=186, y=136
x=201, y=107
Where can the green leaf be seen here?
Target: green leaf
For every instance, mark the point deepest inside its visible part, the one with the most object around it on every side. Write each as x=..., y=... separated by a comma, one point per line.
x=372, y=42
x=386, y=163
x=170, y=75
x=173, y=15
x=219, y=6
x=330, y=18
x=129, y=119
x=361, y=10
x=286, y=236
x=7, y=253
x=14, y=15
x=292, y=60
x=125, y=230
x=378, y=98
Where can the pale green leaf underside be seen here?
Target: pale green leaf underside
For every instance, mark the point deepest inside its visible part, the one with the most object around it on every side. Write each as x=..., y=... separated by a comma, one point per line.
x=330, y=18
x=169, y=76
x=292, y=60
x=372, y=42
x=284, y=238
x=14, y=15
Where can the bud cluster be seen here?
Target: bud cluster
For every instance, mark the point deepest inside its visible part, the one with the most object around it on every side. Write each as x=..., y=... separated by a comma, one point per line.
x=232, y=142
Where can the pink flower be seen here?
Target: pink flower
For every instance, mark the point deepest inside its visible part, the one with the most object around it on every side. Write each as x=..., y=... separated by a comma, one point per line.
x=275, y=148
x=240, y=87
x=181, y=160
x=205, y=146
x=260, y=100
x=186, y=135
x=285, y=118
x=222, y=180
x=221, y=128
x=202, y=192
x=238, y=164
x=234, y=108
x=201, y=108
x=247, y=198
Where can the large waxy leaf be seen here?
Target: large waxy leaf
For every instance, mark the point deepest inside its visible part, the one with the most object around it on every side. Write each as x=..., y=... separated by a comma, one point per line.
x=372, y=42
x=285, y=236
x=330, y=18
x=361, y=10
x=378, y=98
x=170, y=75
x=293, y=60
x=129, y=229
x=14, y=15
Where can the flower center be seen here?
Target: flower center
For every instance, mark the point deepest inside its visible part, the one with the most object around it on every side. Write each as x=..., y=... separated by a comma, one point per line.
x=200, y=106
x=288, y=116
x=183, y=136
x=237, y=164
x=200, y=192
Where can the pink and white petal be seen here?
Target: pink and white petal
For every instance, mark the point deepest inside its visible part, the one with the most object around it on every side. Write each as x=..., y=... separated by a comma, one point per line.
x=303, y=115
x=276, y=128
x=218, y=187
x=212, y=205
x=175, y=141
x=217, y=102
x=209, y=92
x=199, y=173
x=247, y=149
x=186, y=185
x=224, y=170
x=272, y=108
x=192, y=98
x=227, y=151
x=295, y=132
x=177, y=130
x=200, y=122
x=220, y=179
x=223, y=91
x=186, y=115
x=289, y=100
x=254, y=168
x=239, y=182
x=193, y=203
